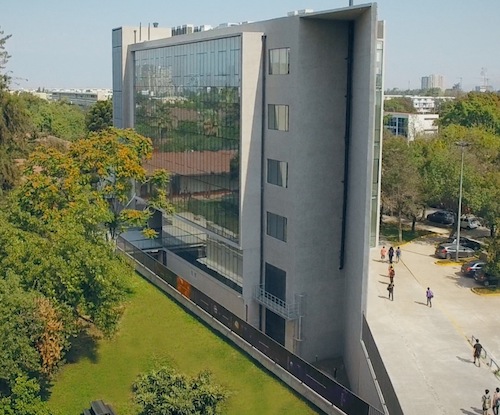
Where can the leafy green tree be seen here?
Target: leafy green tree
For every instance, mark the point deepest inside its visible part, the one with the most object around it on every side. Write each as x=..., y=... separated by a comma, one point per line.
x=476, y=109
x=59, y=119
x=111, y=161
x=401, y=187
x=14, y=125
x=99, y=116
x=93, y=183
x=81, y=276
x=24, y=399
x=399, y=104
x=166, y=392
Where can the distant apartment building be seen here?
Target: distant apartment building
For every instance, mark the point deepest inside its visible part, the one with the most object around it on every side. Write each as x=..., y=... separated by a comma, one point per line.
x=411, y=126
x=423, y=104
x=271, y=132
x=432, y=81
x=82, y=97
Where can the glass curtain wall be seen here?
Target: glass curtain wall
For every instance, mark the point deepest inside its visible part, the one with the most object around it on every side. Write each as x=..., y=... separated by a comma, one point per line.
x=187, y=100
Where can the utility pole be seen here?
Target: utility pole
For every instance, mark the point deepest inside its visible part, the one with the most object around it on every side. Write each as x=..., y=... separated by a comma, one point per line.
x=462, y=145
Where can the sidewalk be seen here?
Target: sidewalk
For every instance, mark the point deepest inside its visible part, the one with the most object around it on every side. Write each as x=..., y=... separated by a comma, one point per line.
x=425, y=350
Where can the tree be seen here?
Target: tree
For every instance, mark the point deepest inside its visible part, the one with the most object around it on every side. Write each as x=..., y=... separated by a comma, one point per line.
x=399, y=104
x=82, y=277
x=93, y=183
x=24, y=399
x=99, y=116
x=401, y=188
x=14, y=125
x=4, y=58
x=166, y=392
x=476, y=109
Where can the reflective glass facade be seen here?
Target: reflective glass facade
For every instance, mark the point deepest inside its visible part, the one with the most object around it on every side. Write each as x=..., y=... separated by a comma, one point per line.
x=187, y=100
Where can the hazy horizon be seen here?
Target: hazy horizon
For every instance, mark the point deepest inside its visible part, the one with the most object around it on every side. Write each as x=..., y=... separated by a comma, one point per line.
x=58, y=44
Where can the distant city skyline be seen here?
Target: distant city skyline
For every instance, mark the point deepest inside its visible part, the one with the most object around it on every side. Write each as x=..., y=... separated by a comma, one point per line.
x=59, y=44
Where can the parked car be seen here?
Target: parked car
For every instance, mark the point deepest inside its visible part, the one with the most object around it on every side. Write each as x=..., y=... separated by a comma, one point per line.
x=469, y=268
x=469, y=243
x=442, y=216
x=448, y=251
x=486, y=278
x=469, y=222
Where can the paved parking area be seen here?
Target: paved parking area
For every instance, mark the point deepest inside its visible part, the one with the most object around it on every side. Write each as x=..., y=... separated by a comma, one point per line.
x=426, y=350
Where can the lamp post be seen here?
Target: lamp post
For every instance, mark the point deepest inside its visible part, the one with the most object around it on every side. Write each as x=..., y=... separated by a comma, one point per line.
x=462, y=145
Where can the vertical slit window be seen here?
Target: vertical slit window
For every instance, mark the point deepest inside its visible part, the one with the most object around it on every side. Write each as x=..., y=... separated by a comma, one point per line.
x=278, y=117
x=279, y=61
x=277, y=172
x=276, y=226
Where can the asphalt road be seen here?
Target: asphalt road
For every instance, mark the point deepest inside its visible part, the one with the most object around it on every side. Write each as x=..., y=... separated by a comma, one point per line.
x=426, y=350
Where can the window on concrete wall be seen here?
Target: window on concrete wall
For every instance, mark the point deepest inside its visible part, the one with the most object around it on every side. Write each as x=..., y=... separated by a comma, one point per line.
x=275, y=282
x=276, y=226
x=279, y=61
x=277, y=172
x=278, y=117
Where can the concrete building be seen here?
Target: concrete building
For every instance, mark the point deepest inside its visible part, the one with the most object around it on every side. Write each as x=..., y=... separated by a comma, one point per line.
x=272, y=133
x=411, y=125
x=433, y=81
x=82, y=97
x=423, y=104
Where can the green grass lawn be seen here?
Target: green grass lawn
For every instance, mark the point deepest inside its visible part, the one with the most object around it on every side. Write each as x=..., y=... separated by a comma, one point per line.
x=391, y=232
x=155, y=331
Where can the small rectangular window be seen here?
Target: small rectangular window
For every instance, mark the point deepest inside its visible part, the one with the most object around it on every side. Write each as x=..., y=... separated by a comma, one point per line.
x=279, y=61
x=276, y=226
x=277, y=172
x=278, y=117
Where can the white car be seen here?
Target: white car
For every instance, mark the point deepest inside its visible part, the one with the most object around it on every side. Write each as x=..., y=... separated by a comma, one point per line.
x=469, y=222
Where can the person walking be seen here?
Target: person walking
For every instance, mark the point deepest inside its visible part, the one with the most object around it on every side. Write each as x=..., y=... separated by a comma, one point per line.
x=383, y=253
x=477, y=352
x=390, y=288
x=496, y=401
x=486, y=401
x=398, y=254
x=429, y=295
x=391, y=254
x=392, y=273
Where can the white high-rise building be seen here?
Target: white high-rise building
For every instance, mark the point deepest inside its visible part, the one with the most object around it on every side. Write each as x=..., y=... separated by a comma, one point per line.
x=433, y=81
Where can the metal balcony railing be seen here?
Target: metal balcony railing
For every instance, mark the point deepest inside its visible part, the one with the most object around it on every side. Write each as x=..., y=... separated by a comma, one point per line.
x=277, y=305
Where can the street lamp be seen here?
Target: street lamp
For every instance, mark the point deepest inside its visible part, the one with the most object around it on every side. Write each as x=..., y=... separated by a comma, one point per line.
x=461, y=144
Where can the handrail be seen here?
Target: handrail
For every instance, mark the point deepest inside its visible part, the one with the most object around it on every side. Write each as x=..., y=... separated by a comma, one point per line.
x=276, y=304
x=488, y=358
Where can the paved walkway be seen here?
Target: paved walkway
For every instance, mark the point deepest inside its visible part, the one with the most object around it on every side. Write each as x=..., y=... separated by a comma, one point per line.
x=426, y=350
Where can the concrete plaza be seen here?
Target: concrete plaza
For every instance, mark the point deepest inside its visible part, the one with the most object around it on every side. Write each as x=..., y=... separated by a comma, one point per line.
x=426, y=350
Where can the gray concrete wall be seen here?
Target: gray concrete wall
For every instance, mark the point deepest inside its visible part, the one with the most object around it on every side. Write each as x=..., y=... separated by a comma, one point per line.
x=250, y=167
x=360, y=180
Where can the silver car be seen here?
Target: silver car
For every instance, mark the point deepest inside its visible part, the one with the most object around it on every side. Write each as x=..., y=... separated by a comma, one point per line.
x=449, y=251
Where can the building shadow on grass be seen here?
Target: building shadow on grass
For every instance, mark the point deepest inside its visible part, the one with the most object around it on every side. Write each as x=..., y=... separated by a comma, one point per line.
x=83, y=346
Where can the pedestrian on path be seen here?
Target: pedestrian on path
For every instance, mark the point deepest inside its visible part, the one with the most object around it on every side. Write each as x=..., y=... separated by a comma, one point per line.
x=392, y=273
x=429, y=295
x=496, y=401
x=391, y=254
x=383, y=253
x=477, y=352
x=486, y=401
x=398, y=254
x=390, y=288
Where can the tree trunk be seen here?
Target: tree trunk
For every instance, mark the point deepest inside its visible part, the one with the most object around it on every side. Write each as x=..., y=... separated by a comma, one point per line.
x=400, y=228
x=413, y=223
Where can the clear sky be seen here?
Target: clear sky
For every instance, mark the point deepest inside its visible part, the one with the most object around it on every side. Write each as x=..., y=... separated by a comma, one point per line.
x=67, y=43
